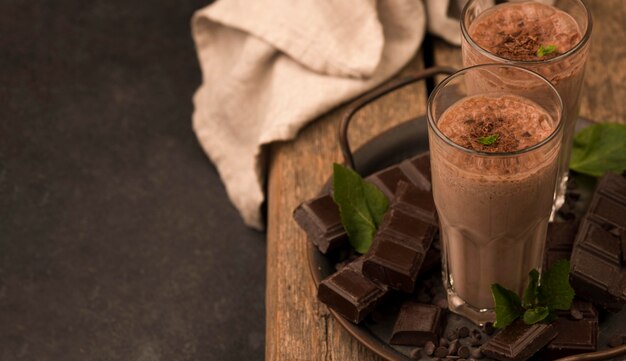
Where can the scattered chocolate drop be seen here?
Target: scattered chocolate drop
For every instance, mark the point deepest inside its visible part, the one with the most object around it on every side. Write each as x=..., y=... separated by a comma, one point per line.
x=488, y=328
x=463, y=351
x=463, y=332
x=443, y=342
x=453, y=347
x=441, y=351
x=453, y=335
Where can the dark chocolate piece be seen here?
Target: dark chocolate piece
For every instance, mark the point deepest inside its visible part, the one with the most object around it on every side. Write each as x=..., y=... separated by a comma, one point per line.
x=417, y=324
x=415, y=170
x=518, y=341
x=414, y=200
x=321, y=221
x=350, y=293
x=597, y=271
x=574, y=335
x=398, y=250
x=559, y=242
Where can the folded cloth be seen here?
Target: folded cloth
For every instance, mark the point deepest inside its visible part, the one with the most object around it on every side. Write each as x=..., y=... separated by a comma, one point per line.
x=271, y=66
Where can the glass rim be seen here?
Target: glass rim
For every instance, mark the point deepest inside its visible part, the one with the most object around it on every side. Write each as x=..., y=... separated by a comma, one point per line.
x=577, y=48
x=431, y=118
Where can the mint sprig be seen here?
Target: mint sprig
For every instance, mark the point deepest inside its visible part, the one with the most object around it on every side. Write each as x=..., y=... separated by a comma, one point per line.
x=600, y=148
x=361, y=206
x=489, y=139
x=541, y=298
x=545, y=50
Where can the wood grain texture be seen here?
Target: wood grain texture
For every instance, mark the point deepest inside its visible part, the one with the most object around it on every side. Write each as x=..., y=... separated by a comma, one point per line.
x=298, y=327
x=604, y=87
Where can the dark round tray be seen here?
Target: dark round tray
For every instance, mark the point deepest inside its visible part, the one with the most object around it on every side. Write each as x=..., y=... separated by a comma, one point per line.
x=403, y=141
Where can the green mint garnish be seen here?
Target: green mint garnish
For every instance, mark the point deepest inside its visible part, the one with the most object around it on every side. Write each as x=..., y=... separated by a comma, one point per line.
x=361, y=206
x=508, y=306
x=600, y=148
x=540, y=299
x=488, y=140
x=545, y=50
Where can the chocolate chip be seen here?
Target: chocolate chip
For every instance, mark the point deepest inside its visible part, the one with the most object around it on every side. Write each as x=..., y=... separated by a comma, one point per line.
x=441, y=351
x=463, y=332
x=416, y=354
x=488, y=328
x=463, y=351
x=429, y=348
x=453, y=335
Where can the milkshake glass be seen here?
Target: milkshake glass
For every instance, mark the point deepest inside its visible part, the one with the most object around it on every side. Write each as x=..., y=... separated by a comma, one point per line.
x=494, y=148
x=550, y=40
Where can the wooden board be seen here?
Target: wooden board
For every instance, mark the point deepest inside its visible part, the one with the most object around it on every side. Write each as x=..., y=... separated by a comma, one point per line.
x=298, y=327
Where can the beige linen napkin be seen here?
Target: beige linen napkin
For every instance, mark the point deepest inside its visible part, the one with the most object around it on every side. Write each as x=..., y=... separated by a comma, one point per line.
x=271, y=66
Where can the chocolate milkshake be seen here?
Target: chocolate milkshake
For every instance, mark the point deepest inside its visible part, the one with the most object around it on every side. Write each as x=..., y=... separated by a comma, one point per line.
x=539, y=37
x=495, y=159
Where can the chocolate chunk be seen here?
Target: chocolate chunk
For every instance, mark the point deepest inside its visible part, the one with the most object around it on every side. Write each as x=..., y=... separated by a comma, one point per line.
x=320, y=219
x=398, y=250
x=417, y=324
x=574, y=336
x=463, y=332
x=597, y=271
x=559, y=242
x=414, y=200
x=453, y=347
x=351, y=294
x=488, y=328
x=518, y=341
x=464, y=352
x=441, y=351
x=415, y=171
x=453, y=335
x=444, y=342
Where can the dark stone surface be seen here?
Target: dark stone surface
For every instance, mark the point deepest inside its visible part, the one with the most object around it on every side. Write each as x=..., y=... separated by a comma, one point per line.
x=117, y=241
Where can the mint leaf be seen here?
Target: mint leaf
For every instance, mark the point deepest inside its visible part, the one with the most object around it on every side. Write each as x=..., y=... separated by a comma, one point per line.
x=361, y=206
x=600, y=148
x=530, y=295
x=545, y=50
x=534, y=315
x=377, y=202
x=488, y=140
x=508, y=306
x=555, y=291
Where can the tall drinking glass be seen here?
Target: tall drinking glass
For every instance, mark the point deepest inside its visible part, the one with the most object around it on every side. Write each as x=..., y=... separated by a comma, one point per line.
x=550, y=40
x=495, y=135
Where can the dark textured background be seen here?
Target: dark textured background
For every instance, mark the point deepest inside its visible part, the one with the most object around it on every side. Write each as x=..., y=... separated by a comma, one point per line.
x=117, y=240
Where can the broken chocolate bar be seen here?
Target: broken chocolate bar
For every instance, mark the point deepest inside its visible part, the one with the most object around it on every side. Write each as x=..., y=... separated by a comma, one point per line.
x=399, y=247
x=417, y=324
x=349, y=293
x=415, y=170
x=577, y=332
x=559, y=242
x=518, y=341
x=597, y=271
x=320, y=219
x=416, y=201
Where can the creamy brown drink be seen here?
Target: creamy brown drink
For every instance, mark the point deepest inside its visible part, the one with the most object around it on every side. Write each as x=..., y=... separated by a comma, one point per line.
x=542, y=38
x=494, y=214
x=494, y=149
